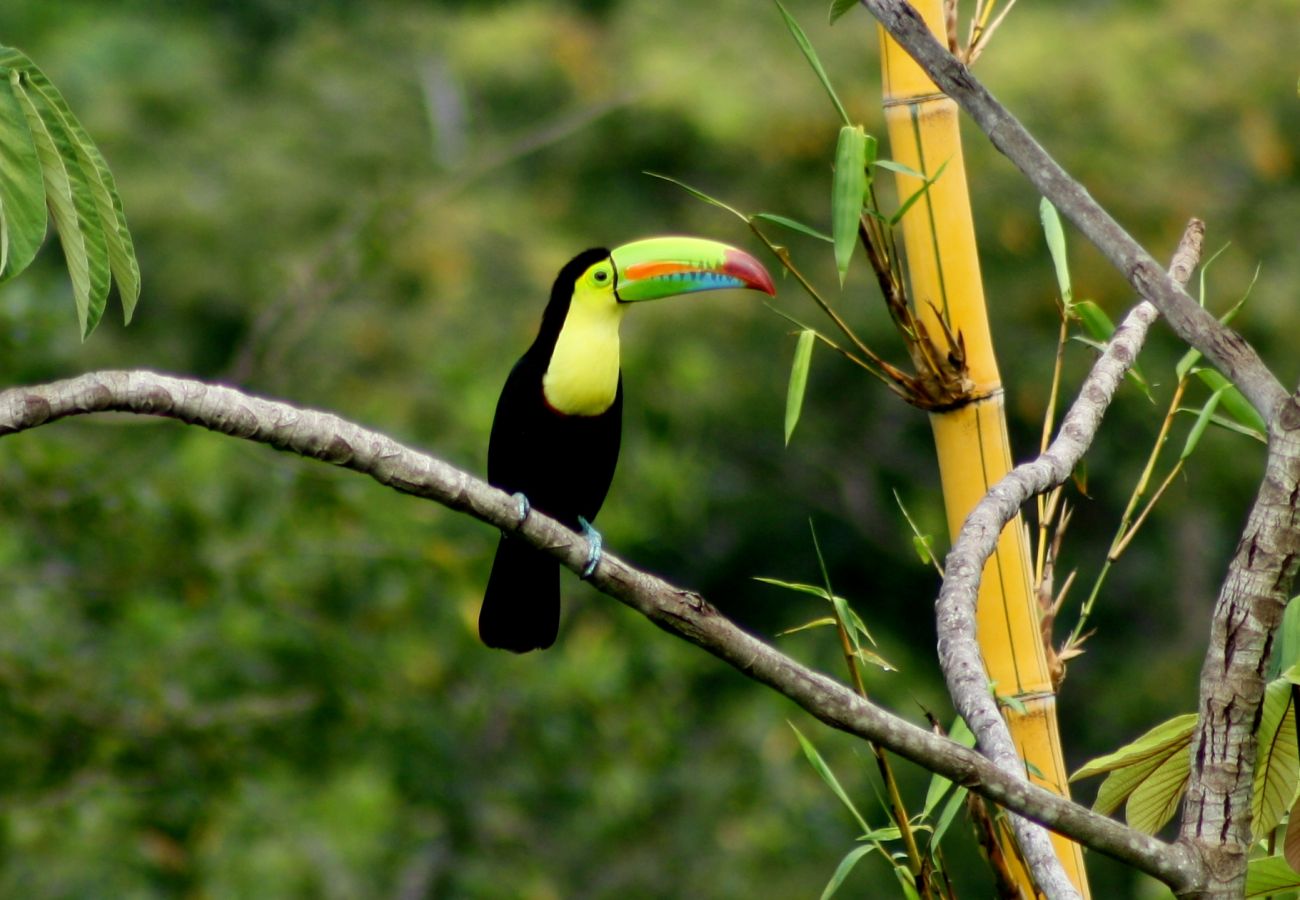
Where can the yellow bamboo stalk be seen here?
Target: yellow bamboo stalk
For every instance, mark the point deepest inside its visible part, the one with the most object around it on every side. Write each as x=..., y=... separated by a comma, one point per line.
x=971, y=439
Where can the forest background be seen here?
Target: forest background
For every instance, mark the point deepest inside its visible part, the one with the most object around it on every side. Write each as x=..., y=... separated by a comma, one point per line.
x=225, y=672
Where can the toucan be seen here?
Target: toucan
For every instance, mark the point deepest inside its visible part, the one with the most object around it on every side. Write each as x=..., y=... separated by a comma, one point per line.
x=555, y=438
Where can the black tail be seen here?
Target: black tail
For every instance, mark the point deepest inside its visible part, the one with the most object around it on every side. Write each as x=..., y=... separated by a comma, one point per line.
x=521, y=606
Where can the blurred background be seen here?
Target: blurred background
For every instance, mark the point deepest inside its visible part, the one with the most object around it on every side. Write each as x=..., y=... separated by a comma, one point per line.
x=226, y=672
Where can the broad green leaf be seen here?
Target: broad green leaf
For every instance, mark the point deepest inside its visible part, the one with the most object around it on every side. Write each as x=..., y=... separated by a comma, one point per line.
x=62, y=205
x=820, y=767
x=22, y=187
x=1117, y=786
x=847, y=191
x=798, y=381
x=811, y=55
x=1155, y=742
x=1202, y=422
x=844, y=868
x=1270, y=875
x=1055, y=235
x=794, y=225
x=1232, y=401
x=840, y=7
x=1154, y=801
x=917, y=195
x=103, y=194
x=1277, y=764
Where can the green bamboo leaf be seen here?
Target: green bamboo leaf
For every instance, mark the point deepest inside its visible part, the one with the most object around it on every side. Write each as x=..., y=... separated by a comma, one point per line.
x=819, y=766
x=700, y=195
x=813, y=589
x=939, y=785
x=1270, y=875
x=794, y=225
x=873, y=658
x=1055, y=235
x=811, y=55
x=1156, y=742
x=1202, y=422
x=1232, y=401
x=844, y=868
x=1095, y=320
x=22, y=187
x=1277, y=760
x=916, y=195
x=102, y=190
x=815, y=623
x=840, y=7
x=847, y=191
x=899, y=168
x=63, y=207
x=798, y=381
x=950, y=810
x=1154, y=801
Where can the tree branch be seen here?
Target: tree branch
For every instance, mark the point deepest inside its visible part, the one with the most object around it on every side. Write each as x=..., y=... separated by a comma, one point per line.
x=327, y=437
x=959, y=652
x=1221, y=345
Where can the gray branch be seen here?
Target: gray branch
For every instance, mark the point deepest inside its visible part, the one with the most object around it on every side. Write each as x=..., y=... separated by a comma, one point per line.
x=959, y=652
x=327, y=437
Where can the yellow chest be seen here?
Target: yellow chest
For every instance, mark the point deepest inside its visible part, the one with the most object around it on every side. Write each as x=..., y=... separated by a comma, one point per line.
x=582, y=378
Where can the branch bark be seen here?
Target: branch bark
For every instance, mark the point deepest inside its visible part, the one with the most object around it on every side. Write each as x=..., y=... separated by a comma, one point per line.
x=327, y=437
x=959, y=652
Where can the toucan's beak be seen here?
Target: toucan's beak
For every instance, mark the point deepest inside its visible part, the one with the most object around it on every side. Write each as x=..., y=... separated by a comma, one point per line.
x=667, y=266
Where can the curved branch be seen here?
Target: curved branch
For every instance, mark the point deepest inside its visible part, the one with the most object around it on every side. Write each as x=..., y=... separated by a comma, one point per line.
x=327, y=437
x=959, y=652
x=1226, y=349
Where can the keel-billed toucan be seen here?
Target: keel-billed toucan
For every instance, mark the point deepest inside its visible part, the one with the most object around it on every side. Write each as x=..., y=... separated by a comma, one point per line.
x=555, y=437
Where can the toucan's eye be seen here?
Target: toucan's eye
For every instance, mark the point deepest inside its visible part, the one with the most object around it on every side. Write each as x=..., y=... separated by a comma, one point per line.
x=601, y=276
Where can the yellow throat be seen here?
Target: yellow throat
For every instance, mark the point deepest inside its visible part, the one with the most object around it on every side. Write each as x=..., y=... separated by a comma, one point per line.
x=582, y=379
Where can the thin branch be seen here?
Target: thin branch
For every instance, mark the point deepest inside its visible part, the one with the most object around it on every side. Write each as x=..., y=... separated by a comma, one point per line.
x=959, y=652
x=1221, y=345
x=327, y=437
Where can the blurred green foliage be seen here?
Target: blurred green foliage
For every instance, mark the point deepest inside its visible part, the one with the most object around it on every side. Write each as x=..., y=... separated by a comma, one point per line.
x=226, y=672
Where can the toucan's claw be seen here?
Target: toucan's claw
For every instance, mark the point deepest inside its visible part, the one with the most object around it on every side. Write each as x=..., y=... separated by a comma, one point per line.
x=524, y=507
x=594, y=547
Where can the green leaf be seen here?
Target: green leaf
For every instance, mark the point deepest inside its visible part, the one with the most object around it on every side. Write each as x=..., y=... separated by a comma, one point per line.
x=700, y=195
x=22, y=188
x=815, y=590
x=1117, y=786
x=1288, y=651
x=1095, y=320
x=1055, y=235
x=798, y=381
x=1202, y=422
x=1277, y=762
x=811, y=55
x=1155, y=743
x=844, y=868
x=939, y=785
x=1233, y=402
x=840, y=7
x=916, y=195
x=1270, y=875
x=847, y=191
x=950, y=810
x=899, y=168
x=1154, y=801
x=794, y=225
x=815, y=623
x=820, y=767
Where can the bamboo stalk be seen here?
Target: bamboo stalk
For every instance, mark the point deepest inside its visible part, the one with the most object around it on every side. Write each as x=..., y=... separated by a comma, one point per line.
x=971, y=438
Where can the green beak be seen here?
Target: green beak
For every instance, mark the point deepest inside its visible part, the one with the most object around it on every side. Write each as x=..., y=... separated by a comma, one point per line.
x=667, y=266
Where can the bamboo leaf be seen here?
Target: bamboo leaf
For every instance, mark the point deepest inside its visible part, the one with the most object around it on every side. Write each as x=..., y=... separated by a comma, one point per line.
x=22, y=188
x=815, y=590
x=815, y=623
x=950, y=810
x=820, y=767
x=1270, y=875
x=1154, y=801
x=847, y=190
x=1156, y=742
x=916, y=195
x=794, y=225
x=840, y=7
x=1277, y=764
x=1202, y=422
x=939, y=785
x=811, y=55
x=798, y=381
x=899, y=169
x=1095, y=321
x=844, y=868
x=700, y=195
x=1055, y=235
x=1232, y=401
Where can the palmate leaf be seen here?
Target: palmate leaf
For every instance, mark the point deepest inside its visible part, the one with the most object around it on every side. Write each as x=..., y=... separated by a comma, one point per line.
x=22, y=188
x=75, y=184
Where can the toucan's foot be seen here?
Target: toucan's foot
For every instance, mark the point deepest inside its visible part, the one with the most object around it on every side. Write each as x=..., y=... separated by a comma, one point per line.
x=524, y=507
x=594, y=547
